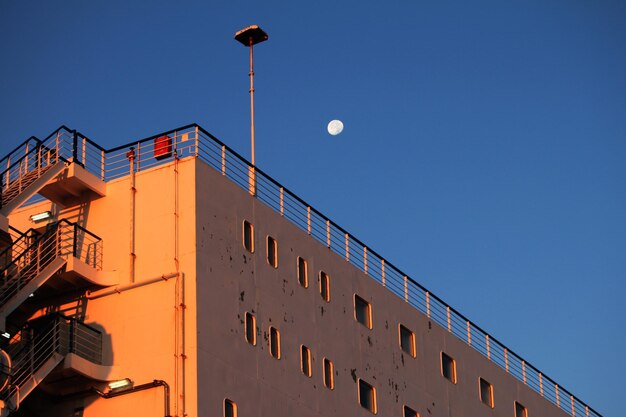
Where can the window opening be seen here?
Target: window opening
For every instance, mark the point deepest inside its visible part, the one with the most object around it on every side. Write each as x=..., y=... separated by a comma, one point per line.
x=272, y=251
x=363, y=311
x=520, y=410
x=325, y=286
x=275, y=342
x=230, y=408
x=248, y=236
x=486, y=392
x=407, y=340
x=367, y=396
x=303, y=273
x=305, y=356
x=408, y=412
x=251, y=329
x=329, y=377
x=448, y=368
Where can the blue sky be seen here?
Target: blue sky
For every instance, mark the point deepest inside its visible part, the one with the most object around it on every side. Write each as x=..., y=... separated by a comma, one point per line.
x=483, y=153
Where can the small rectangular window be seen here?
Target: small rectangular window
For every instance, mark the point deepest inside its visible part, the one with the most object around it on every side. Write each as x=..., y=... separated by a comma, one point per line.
x=408, y=412
x=448, y=368
x=272, y=252
x=230, y=408
x=325, y=286
x=520, y=410
x=305, y=359
x=367, y=396
x=248, y=236
x=486, y=392
x=329, y=377
x=362, y=311
x=303, y=272
x=407, y=340
x=274, y=342
x=251, y=329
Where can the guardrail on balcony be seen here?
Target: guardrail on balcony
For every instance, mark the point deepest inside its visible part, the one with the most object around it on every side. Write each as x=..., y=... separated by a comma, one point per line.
x=193, y=140
x=33, y=346
x=30, y=255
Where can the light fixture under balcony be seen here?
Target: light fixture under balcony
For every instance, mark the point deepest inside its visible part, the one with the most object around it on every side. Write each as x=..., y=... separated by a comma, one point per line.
x=36, y=218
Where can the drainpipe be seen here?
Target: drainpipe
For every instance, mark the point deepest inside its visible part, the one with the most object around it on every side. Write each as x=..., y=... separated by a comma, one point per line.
x=154, y=384
x=131, y=159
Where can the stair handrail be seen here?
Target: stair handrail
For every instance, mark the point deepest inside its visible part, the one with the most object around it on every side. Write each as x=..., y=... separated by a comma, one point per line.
x=17, y=148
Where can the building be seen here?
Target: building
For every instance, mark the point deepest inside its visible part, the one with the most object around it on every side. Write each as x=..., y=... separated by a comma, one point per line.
x=170, y=277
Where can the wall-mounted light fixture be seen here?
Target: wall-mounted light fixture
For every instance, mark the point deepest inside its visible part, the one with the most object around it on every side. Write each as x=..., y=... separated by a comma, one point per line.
x=36, y=218
x=120, y=385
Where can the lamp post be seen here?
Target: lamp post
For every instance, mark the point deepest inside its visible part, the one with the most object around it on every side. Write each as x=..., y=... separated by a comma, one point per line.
x=249, y=37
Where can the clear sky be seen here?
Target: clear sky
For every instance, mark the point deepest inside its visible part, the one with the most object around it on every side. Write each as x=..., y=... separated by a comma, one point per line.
x=484, y=150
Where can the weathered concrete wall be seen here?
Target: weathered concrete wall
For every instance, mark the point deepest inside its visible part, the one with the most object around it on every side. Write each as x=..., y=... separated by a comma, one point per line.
x=232, y=281
x=144, y=330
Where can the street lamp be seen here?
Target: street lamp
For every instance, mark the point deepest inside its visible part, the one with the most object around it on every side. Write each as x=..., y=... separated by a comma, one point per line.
x=249, y=37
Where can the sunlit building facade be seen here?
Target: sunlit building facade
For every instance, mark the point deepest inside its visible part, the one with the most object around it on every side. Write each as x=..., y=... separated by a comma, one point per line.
x=169, y=277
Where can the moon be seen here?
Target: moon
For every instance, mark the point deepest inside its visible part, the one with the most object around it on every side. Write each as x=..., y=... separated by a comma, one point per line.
x=335, y=127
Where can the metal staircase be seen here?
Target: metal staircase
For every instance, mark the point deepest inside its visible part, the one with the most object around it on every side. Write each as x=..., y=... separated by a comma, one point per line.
x=28, y=169
x=39, y=348
x=36, y=257
x=39, y=265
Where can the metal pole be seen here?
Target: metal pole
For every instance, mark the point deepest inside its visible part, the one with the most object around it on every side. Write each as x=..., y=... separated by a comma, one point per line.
x=252, y=99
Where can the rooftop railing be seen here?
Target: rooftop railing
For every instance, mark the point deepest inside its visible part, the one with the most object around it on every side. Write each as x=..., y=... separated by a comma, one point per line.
x=193, y=140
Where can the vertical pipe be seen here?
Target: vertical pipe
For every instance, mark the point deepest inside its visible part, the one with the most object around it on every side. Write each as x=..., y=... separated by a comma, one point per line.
x=131, y=159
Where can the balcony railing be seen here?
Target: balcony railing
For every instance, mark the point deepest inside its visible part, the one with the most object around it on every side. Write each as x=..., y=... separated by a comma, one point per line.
x=193, y=140
x=34, y=345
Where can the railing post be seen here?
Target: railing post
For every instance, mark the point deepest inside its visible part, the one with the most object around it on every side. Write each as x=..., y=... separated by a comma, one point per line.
x=198, y=150
x=308, y=220
x=282, y=201
x=347, y=248
x=572, y=403
x=428, y=304
x=556, y=392
x=75, y=243
x=223, y=156
x=365, y=259
x=524, y=371
x=102, y=165
x=541, y=384
x=406, y=289
x=469, y=334
x=382, y=272
x=84, y=156
x=448, y=317
x=506, y=360
x=74, y=146
x=488, y=346
x=328, y=233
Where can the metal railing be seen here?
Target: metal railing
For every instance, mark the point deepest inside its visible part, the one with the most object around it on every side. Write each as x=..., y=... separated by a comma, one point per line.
x=193, y=140
x=30, y=255
x=44, y=337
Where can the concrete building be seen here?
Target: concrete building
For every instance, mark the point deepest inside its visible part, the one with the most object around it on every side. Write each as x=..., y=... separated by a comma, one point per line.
x=168, y=277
